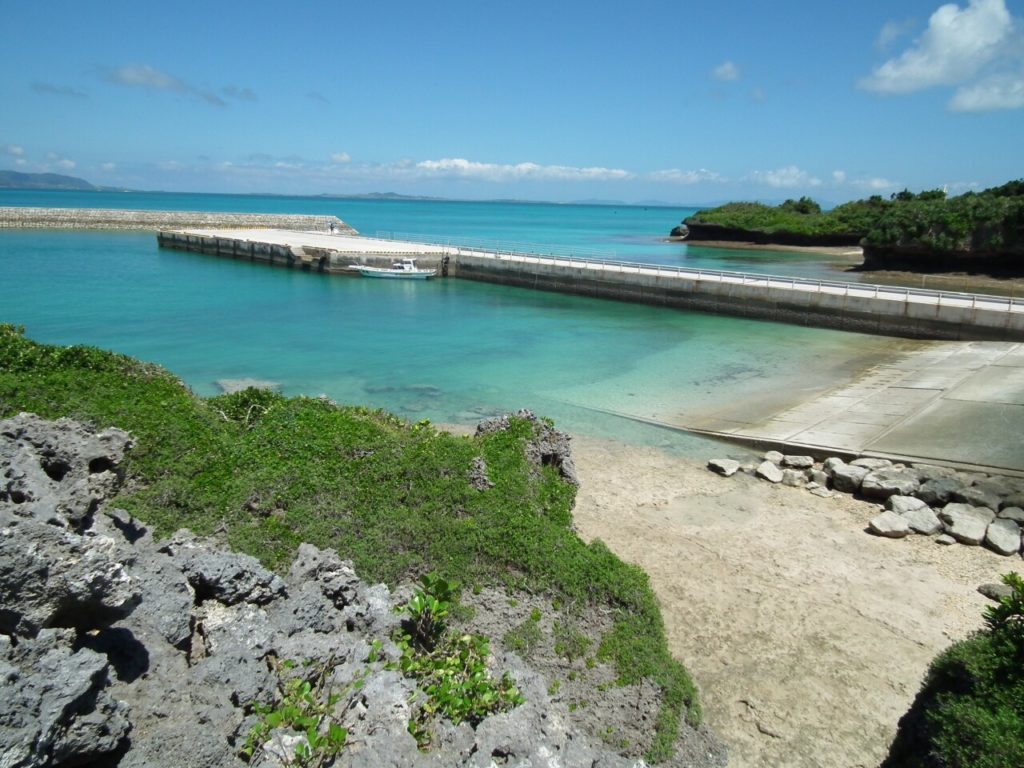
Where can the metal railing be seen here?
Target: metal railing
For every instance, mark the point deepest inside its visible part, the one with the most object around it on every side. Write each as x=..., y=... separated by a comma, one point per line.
x=511, y=251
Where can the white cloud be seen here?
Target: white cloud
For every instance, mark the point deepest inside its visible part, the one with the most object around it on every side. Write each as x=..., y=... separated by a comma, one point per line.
x=460, y=168
x=758, y=95
x=676, y=176
x=1002, y=91
x=893, y=30
x=13, y=150
x=66, y=164
x=839, y=177
x=785, y=178
x=108, y=167
x=170, y=165
x=340, y=157
x=726, y=72
x=959, y=45
x=149, y=78
x=875, y=184
x=145, y=76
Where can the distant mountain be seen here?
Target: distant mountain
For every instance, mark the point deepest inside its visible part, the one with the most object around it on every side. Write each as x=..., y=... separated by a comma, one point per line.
x=16, y=180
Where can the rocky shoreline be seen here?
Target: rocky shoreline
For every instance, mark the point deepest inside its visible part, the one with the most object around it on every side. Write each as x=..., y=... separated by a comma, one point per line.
x=118, y=649
x=971, y=508
x=151, y=221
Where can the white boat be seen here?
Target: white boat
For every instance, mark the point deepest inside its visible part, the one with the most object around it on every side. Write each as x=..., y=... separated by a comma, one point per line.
x=404, y=269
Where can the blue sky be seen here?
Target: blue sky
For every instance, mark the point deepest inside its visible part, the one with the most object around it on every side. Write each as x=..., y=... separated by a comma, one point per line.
x=675, y=101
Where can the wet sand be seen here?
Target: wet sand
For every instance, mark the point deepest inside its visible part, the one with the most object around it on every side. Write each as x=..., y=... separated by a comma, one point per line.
x=807, y=636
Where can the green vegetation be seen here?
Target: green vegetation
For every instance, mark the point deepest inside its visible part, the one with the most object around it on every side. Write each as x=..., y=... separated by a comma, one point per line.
x=970, y=710
x=990, y=223
x=271, y=472
x=306, y=706
x=450, y=669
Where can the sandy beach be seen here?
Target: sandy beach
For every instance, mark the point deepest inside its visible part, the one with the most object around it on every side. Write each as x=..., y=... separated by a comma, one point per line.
x=807, y=636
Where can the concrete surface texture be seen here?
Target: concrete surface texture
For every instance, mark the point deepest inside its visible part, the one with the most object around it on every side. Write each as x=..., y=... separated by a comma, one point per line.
x=958, y=403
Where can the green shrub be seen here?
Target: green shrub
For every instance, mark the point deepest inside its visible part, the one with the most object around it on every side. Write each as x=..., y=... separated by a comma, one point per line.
x=970, y=710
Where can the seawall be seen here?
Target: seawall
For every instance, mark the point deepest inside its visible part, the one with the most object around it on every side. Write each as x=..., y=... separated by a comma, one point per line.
x=848, y=307
x=103, y=218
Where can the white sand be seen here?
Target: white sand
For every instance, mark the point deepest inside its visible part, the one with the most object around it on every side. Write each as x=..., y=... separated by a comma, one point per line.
x=807, y=636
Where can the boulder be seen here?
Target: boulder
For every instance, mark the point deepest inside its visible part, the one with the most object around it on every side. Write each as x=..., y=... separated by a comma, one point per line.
x=1012, y=513
x=890, y=525
x=1013, y=500
x=1003, y=536
x=774, y=457
x=798, y=462
x=923, y=520
x=820, y=477
x=888, y=481
x=831, y=463
x=848, y=478
x=769, y=470
x=724, y=467
x=795, y=478
x=976, y=496
x=945, y=539
x=937, y=491
x=965, y=523
x=903, y=504
x=995, y=592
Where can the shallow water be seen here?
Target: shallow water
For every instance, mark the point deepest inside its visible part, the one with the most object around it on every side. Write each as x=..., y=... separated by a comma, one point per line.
x=451, y=351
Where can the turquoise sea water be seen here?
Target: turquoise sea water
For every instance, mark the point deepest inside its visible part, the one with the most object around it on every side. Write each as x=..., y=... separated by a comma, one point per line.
x=447, y=350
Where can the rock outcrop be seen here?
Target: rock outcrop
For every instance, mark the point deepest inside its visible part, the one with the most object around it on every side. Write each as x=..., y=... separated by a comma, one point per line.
x=118, y=649
x=967, y=507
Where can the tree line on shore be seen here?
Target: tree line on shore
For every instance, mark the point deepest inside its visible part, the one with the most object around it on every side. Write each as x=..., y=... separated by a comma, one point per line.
x=989, y=223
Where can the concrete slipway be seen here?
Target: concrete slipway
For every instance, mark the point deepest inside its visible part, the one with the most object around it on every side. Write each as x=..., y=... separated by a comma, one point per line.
x=957, y=403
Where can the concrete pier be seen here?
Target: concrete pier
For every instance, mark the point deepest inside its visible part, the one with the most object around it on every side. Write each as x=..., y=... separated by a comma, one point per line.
x=319, y=252
x=859, y=307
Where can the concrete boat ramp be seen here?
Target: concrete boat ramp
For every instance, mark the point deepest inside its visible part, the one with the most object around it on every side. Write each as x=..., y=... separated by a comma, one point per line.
x=953, y=403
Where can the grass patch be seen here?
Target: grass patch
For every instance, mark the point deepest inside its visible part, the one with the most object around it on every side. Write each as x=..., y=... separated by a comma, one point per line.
x=394, y=498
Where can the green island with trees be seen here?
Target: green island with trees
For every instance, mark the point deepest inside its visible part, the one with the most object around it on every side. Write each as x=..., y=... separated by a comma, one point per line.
x=927, y=231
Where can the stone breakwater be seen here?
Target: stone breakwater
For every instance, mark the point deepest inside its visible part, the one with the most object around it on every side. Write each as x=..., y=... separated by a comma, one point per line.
x=101, y=218
x=118, y=649
x=969, y=508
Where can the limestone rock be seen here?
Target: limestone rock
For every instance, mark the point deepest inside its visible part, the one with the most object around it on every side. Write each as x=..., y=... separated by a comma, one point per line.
x=890, y=525
x=976, y=496
x=1013, y=500
x=1003, y=536
x=228, y=577
x=945, y=539
x=798, y=462
x=820, y=477
x=724, y=467
x=903, y=504
x=888, y=481
x=923, y=520
x=937, y=491
x=795, y=478
x=831, y=463
x=848, y=478
x=774, y=457
x=769, y=470
x=55, y=710
x=965, y=523
x=548, y=446
x=1012, y=513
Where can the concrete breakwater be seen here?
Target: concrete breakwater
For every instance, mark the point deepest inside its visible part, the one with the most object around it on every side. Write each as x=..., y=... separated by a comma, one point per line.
x=102, y=218
x=319, y=252
x=855, y=307
x=859, y=307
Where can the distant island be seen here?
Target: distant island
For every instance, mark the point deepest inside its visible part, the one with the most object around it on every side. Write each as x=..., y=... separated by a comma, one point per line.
x=17, y=180
x=977, y=232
